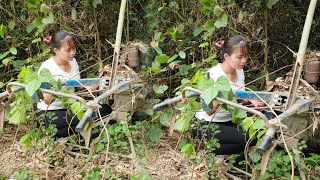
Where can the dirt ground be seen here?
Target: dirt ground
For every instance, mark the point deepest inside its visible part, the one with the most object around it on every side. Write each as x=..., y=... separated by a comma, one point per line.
x=162, y=161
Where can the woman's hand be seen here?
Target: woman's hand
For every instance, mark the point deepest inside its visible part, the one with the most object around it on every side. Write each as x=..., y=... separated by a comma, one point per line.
x=257, y=103
x=91, y=88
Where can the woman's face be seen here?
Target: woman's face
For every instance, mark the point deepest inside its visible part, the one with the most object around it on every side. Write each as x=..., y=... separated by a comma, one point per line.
x=66, y=51
x=237, y=60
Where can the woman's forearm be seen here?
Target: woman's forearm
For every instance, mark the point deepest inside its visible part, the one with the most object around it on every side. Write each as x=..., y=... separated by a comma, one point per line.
x=213, y=110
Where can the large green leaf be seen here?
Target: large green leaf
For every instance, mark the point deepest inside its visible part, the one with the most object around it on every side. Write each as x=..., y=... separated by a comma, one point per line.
x=49, y=19
x=45, y=75
x=209, y=94
x=155, y=133
x=222, y=22
x=188, y=150
x=204, y=83
x=258, y=124
x=209, y=26
x=247, y=123
x=162, y=58
x=217, y=10
x=166, y=117
x=183, y=122
x=32, y=86
x=223, y=84
x=159, y=89
x=44, y=8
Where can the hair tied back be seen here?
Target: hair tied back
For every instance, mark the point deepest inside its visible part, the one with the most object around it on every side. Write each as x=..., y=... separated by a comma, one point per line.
x=219, y=43
x=47, y=39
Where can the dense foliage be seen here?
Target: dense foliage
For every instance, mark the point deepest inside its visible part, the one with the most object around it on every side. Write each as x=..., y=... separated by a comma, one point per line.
x=180, y=35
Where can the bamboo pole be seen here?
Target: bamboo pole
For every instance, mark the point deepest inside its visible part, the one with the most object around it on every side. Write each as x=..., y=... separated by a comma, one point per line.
x=300, y=57
x=117, y=45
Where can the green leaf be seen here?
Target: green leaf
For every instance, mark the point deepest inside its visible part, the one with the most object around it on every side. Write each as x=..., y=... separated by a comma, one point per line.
x=196, y=76
x=96, y=2
x=159, y=89
x=36, y=40
x=271, y=3
x=217, y=10
x=172, y=58
x=17, y=116
x=3, y=55
x=162, y=58
x=223, y=84
x=29, y=76
x=241, y=114
x=44, y=8
x=222, y=22
x=165, y=117
x=32, y=86
x=261, y=133
x=182, y=54
x=197, y=31
x=26, y=140
x=2, y=30
x=183, y=122
x=11, y=25
x=258, y=124
x=183, y=69
x=30, y=28
x=247, y=123
x=73, y=14
x=159, y=37
x=45, y=75
x=188, y=150
x=205, y=44
x=209, y=26
x=155, y=133
x=209, y=94
x=48, y=20
x=158, y=50
x=2, y=84
x=254, y=156
x=204, y=83
x=149, y=111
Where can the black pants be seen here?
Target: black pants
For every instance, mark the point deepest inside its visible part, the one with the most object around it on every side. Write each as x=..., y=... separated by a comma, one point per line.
x=231, y=138
x=65, y=122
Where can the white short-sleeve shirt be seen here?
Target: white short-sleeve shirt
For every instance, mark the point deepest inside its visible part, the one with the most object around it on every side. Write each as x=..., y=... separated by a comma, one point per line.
x=222, y=115
x=58, y=74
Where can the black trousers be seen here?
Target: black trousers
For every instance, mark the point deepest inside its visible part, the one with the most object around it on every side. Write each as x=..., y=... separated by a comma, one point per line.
x=65, y=122
x=232, y=139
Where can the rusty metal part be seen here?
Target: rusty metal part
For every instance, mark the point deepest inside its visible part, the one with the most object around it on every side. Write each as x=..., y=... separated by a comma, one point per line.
x=133, y=57
x=312, y=70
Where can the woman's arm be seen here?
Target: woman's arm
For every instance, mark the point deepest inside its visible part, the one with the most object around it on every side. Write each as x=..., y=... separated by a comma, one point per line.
x=47, y=98
x=214, y=108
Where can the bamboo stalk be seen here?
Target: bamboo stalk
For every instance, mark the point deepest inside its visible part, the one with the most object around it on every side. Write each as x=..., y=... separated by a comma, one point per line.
x=300, y=57
x=116, y=53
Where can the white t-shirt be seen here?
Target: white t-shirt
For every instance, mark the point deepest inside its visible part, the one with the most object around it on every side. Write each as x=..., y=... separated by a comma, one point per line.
x=58, y=74
x=221, y=115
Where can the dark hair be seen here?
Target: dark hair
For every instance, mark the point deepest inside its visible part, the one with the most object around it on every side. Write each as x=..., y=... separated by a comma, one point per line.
x=232, y=43
x=62, y=36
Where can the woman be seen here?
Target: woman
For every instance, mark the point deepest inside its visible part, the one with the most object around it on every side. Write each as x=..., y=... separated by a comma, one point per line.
x=234, y=53
x=63, y=66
